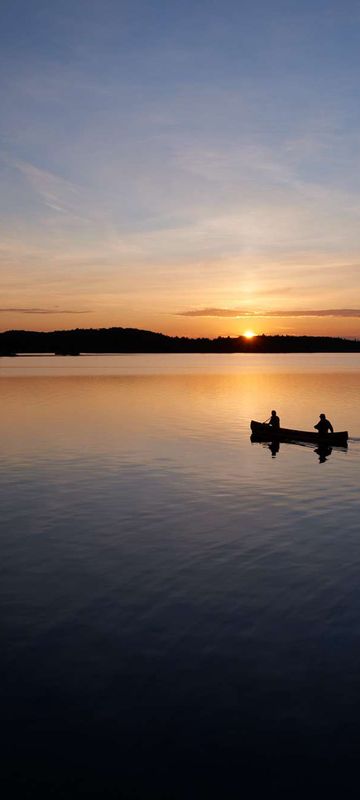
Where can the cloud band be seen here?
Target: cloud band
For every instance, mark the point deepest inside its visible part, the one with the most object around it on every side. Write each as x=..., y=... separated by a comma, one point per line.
x=42, y=311
x=237, y=312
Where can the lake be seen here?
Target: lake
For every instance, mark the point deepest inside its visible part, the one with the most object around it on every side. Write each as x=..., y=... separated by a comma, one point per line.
x=180, y=607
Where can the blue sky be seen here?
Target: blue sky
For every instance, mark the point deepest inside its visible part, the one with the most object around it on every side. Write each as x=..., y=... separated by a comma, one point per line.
x=164, y=158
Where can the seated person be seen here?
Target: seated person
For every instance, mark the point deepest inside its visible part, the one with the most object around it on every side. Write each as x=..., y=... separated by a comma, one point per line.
x=274, y=421
x=324, y=426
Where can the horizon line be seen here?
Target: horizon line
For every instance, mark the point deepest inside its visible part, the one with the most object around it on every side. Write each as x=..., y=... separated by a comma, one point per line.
x=176, y=336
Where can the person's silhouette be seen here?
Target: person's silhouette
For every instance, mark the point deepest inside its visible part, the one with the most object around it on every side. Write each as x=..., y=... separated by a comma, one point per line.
x=324, y=426
x=274, y=421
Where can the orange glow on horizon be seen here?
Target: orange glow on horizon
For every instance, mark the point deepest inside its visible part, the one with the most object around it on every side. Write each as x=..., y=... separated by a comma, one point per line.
x=249, y=334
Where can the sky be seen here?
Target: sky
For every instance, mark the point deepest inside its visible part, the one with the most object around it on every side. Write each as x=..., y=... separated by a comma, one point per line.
x=185, y=167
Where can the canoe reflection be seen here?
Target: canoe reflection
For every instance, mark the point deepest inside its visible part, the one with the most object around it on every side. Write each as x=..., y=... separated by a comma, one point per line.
x=323, y=451
x=274, y=448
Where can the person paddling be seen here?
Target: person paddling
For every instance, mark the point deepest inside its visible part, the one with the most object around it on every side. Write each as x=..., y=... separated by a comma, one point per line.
x=324, y=426
x=274, y=421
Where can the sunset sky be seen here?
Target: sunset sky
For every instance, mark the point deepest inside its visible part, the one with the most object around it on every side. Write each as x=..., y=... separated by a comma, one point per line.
x=186, y=167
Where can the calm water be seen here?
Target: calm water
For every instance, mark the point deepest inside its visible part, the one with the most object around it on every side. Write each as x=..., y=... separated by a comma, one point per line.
x=180, y=609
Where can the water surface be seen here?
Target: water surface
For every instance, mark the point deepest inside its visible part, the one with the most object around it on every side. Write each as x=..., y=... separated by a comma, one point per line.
x=180, y=607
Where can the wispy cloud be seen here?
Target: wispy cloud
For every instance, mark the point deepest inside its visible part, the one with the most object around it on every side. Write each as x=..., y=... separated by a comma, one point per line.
x=43, y=311
x=55, y=191
x=241, y=312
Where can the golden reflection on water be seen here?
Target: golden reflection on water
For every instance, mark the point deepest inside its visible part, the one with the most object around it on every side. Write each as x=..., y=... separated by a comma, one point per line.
x=105, y=412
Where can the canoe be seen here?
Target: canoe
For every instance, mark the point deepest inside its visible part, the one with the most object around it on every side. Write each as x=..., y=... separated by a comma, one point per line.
x=265, y=433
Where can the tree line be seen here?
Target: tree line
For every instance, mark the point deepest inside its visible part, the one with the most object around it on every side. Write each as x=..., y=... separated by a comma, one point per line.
x=133, y=340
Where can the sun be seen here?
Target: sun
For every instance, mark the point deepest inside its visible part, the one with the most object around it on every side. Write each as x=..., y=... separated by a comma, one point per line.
x=249, y=334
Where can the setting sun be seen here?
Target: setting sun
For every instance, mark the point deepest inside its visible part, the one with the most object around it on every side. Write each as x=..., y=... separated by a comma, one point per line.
x=249, y=334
